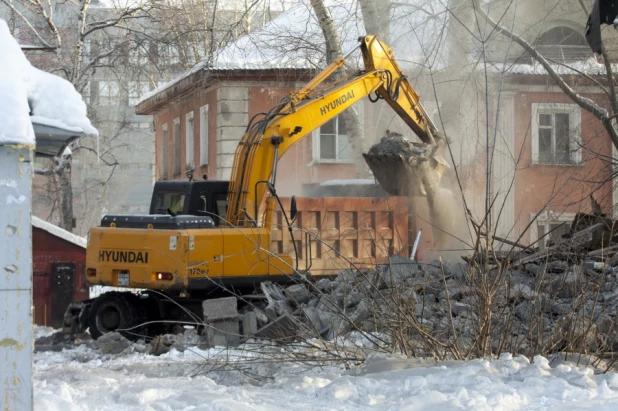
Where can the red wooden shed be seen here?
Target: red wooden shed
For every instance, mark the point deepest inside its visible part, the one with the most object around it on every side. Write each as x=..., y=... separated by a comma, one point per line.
x=59, y=258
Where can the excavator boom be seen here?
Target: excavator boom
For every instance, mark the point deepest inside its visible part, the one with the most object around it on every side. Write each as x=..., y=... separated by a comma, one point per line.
x=301, y=112
x=205, y=238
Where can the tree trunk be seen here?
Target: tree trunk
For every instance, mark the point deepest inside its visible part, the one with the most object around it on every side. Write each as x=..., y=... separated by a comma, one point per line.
x=66, y=200
x=384, y=22
x=350, y=117
x=376, y=18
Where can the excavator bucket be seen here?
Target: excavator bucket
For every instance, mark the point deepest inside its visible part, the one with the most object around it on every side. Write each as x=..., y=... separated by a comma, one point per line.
x=405, y=168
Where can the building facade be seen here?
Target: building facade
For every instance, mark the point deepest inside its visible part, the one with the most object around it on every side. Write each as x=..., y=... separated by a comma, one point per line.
x=516, y=140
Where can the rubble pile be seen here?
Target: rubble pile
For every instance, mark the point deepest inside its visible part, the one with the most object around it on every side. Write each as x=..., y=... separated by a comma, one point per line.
x=565, y=296
x=561, y=298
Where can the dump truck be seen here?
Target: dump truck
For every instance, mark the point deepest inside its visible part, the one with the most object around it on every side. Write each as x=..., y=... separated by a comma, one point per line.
x=207, y=239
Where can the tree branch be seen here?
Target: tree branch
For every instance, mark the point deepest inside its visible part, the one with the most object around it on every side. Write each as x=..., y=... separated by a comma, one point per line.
x=585, y=103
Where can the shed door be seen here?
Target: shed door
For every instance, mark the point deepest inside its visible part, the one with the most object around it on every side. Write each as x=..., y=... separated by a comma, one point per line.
x=62, y=285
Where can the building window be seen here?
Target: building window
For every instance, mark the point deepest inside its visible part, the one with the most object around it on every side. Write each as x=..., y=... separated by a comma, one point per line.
x=556, y=134
x=169, y=54
x=559, y=44
x=204, y=135
x=176, y=144
x=139, y=54
x=87, y=93
x=86, y=50
x=331, y=144
x=550, y=227
x=189, y=130
x=136, y=90
x=108, y=93
x=164, y=151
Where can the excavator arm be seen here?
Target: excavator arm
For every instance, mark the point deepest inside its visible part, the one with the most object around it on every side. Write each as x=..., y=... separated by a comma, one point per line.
x=270, y=135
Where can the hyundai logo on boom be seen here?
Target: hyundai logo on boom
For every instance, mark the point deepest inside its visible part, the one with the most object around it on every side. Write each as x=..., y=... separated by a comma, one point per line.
x=337, y=102
x=123, y=256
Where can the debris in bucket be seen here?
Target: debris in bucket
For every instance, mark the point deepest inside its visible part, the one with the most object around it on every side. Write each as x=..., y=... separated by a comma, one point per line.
x=406, y=168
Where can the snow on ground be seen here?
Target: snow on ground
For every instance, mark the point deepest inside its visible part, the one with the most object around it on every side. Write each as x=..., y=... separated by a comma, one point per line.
x=41, y=331
x=84, y=379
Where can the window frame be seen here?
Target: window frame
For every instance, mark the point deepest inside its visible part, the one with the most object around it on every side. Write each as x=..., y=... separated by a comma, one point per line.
x=176, y=165
x=164, y=151
x=136, y=89
x=190, y=140
x=108, y=98
x=546, y=218
x=204, y=135
x=574, y=113
x=317, y=140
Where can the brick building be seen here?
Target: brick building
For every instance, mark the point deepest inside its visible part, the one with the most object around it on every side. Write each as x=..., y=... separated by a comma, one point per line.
x=59, y=259
x=546, y=155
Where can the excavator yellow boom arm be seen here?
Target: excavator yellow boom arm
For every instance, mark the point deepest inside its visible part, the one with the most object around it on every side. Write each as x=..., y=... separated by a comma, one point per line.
x=301, y=112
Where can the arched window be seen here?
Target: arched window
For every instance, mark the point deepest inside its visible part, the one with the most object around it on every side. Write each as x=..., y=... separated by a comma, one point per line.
x=562, y=44
x=561, y=36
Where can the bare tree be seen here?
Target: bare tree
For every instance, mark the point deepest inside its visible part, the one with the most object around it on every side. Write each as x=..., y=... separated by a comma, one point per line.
x=606, y=117
x=376, y=17
x=333, y=51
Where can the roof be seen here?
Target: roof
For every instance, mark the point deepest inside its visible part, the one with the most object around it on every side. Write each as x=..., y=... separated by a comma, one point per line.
x=590, y=66
x=59, y=232
x=26, y=90
x=294, y=39
x=52, y=136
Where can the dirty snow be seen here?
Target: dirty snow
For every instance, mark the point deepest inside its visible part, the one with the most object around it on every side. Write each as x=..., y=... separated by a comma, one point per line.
x=25, y=91
x=84, y=379
x=41, y=331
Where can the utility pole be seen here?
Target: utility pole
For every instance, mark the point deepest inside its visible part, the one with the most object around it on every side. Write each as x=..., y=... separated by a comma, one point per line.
x=15, y=277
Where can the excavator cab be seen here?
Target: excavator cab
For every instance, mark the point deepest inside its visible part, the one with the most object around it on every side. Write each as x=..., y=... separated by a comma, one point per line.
x=195, y=198
x=179, y=205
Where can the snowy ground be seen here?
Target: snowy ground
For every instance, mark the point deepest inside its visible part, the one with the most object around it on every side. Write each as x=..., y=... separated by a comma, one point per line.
x=84, y=379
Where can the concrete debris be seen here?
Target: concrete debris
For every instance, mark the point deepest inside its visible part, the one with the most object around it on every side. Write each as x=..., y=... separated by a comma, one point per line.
x=536, y=296
x=222, y=327
x=298, y=293
x=549, y=295
x=180, y=342
x=283, y=329
x=113, y=343
x=403, y=167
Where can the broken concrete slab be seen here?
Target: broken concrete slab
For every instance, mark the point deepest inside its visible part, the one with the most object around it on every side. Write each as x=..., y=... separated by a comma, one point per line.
x=283, y=329
x=298, y=293
x=249, y=324
x=223, y=333
x=220, y=308
x=113, y=343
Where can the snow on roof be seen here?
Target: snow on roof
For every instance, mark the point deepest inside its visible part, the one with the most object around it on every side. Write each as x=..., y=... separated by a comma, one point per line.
x=294, y=39
x=589, y=66
x=55, y=123
x=26, y=90
x=15, y=125
x=59, y=232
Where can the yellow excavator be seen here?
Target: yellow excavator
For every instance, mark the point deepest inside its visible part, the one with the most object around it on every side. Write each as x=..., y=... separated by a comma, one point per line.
x=205, y=239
